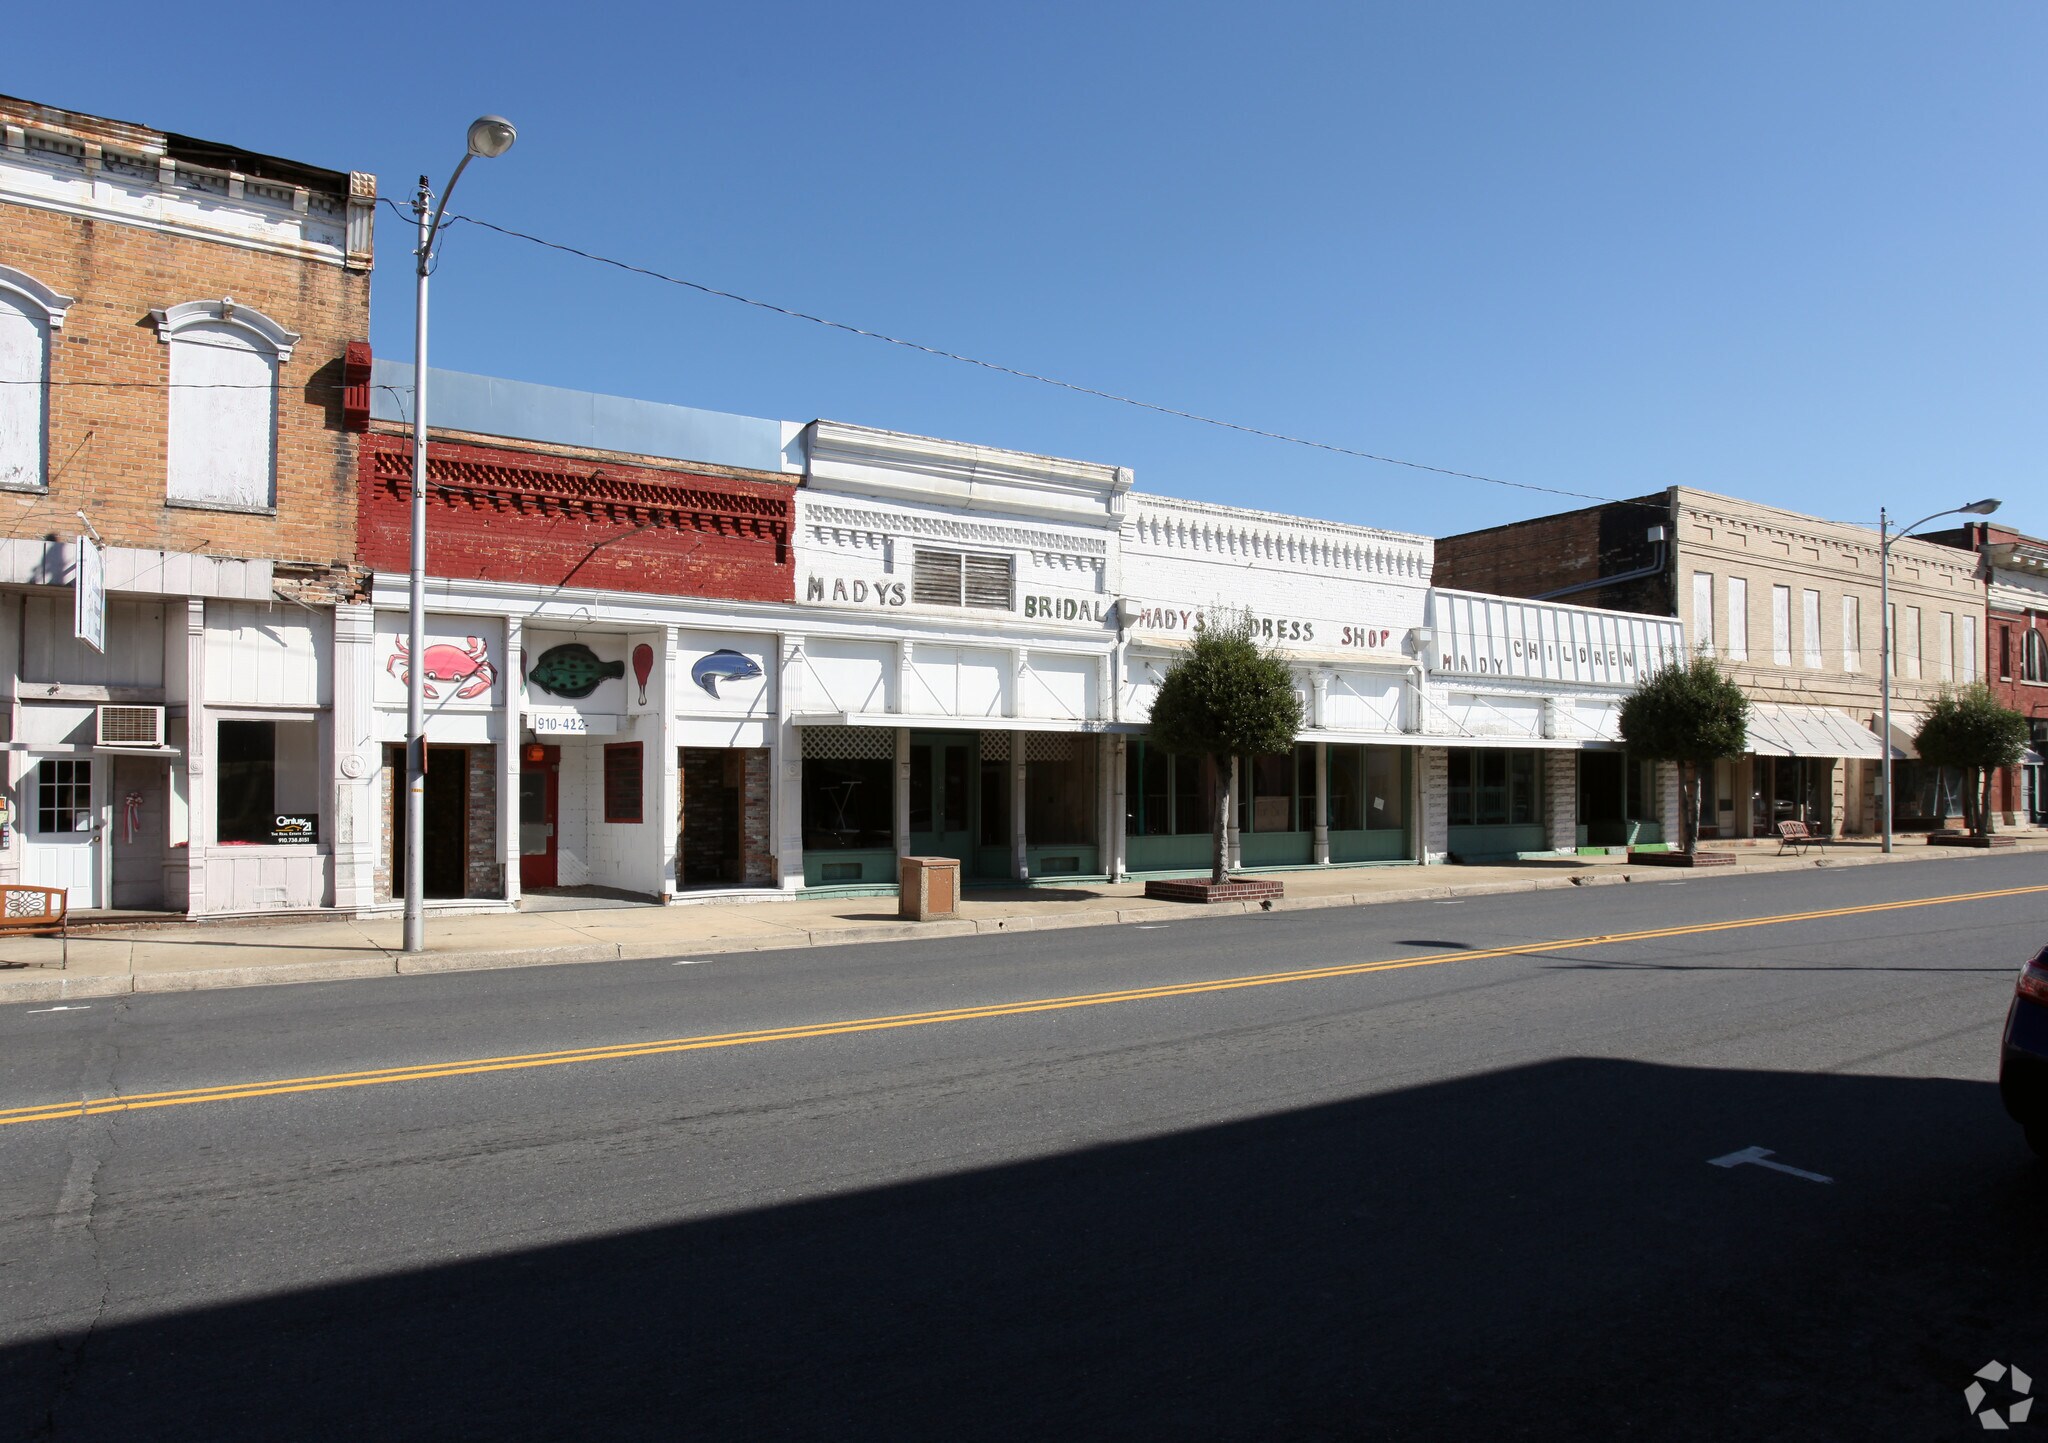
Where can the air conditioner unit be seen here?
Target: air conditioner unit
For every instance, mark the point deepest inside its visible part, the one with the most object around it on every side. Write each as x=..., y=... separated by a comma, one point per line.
x=131, y=726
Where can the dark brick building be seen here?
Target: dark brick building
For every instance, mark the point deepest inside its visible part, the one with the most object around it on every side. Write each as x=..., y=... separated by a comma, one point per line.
x=2015, y=573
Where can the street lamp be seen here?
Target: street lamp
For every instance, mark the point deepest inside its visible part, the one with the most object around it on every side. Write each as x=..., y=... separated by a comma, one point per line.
x=1885, y=538
x=490, y=136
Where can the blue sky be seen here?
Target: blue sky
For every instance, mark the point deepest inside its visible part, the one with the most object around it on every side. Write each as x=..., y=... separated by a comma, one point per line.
x=1788, y=251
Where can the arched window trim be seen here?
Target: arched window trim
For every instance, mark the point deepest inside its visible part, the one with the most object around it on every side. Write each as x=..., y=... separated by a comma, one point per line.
x=226, y=311
x=2034, y=657
x=49, y=302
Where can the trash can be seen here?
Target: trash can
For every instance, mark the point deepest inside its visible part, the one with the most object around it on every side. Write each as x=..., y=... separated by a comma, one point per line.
x=930, y=888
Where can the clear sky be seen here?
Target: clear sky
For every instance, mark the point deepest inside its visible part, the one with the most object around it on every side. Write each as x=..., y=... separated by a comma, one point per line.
x=1787, y=251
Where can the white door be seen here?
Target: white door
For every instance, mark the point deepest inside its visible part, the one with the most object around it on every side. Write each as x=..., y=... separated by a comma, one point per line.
x=61, y=832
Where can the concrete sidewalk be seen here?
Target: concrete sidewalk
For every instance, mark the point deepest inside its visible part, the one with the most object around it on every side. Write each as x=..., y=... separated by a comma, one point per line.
x=186, y=957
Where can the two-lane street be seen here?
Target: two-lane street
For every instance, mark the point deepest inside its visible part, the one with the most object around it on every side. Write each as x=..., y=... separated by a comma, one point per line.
x=1419, y=1170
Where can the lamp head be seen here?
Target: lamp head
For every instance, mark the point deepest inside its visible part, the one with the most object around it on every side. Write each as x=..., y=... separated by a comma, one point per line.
x=1981, y=508
x=490, y=136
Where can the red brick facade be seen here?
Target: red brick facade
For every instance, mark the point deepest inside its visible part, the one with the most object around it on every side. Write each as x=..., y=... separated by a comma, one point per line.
x=2005, y=660
x=505, y=513
x=1563, y=554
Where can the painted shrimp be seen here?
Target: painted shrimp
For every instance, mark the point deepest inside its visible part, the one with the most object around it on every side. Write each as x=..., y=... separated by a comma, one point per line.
x=469, y=664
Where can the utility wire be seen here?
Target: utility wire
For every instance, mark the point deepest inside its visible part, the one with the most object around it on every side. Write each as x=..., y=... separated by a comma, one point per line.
x=1001, y=369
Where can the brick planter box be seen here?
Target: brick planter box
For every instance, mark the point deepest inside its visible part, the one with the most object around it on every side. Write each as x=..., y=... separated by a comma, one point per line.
x=1964, y=839
x=1680, y=859
x=1236, y=890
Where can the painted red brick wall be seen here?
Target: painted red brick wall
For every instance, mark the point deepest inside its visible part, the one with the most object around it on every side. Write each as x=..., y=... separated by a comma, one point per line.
x=2005, y=642
x=501, y=513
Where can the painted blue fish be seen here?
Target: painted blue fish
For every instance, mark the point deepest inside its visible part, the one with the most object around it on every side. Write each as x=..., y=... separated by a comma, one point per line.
x=723, y=665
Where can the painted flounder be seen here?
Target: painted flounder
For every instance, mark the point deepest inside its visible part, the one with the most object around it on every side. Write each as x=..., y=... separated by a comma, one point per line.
x=572, y=670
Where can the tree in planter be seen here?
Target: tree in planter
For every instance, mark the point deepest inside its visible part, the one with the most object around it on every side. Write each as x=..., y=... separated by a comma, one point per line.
x=1691, y=713
x=1971, y=730
x=1227, y=697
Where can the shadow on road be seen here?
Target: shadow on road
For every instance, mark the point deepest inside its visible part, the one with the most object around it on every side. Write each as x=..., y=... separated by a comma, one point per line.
x=1541, y=1252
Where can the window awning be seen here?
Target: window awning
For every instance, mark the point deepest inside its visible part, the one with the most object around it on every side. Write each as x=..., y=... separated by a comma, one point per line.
x=1905, y=730
x=1777, y=730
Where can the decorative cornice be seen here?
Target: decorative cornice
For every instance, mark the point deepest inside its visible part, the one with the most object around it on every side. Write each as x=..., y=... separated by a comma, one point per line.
x=224, y=312
x=863, y=459
x=135, y=182
x=820, y=516
x=1162, y=524
x=26, y=286
x=523, y=490
x=1842, y=536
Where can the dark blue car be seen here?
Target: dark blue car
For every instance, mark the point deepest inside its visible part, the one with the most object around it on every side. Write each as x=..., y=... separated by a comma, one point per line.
x=2023, y=1067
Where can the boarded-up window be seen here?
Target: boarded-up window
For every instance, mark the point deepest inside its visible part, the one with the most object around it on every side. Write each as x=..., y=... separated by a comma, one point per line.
x=1966, y=661
x=1809, y=617
x=1703, y=610
x=1738, y=619
x=223, y=417
x=24, y=389
x=988, y=581
x=956, y=578
x=1852, y=634
x=1781, y=625
x=622, y=782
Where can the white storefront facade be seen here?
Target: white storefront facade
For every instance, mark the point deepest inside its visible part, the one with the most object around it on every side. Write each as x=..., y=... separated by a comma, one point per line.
x=1344, y=605
x=946, y=684
x=1524, y=700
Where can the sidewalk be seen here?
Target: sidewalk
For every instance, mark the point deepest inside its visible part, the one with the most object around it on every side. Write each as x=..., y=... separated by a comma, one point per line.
x=187, y=957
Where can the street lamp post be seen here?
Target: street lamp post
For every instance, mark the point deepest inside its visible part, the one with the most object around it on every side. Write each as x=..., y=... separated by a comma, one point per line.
x=490, y=136
x=1885, y=538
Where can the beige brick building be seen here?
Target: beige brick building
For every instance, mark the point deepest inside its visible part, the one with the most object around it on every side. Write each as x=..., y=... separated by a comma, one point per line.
x=174, y=323
x=1790, y=603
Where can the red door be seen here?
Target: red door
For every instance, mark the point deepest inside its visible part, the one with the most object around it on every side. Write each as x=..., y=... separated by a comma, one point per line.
x=539, y=773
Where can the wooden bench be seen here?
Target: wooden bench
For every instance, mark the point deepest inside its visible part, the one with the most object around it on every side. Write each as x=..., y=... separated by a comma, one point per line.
x=37, y=912
x=1798, y=836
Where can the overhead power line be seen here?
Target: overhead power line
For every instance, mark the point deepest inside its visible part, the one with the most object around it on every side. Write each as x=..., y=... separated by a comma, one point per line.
x=1023, y=375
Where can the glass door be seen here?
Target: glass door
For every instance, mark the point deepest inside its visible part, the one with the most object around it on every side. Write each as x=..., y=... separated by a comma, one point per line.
x=943, y=771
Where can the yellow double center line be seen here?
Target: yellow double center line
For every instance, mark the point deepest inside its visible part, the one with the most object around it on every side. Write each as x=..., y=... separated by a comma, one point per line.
x=427, y=1071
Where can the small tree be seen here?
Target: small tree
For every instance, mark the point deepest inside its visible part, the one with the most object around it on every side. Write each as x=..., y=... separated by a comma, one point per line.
x=1969, y=729
x=1226, y=698
x=1691, y=713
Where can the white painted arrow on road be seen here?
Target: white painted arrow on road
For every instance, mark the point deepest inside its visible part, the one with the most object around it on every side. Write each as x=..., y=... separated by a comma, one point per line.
x=1761, y=1157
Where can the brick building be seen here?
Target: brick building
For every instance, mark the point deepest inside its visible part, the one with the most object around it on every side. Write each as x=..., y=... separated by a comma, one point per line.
x=2015, y=572
x=1789, y=603
x=598, y=659
x=174, y=315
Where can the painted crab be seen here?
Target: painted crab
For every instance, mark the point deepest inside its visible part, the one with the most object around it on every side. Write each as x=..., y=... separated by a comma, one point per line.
x=445, y=662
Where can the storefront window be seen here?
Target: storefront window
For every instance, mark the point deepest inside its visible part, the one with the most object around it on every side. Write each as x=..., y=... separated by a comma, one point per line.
x=995, y=789
x=1166, y=795
x=1059, y=790
x=1793, y=789
x=1642, y=790
x=1386, y=792
x=846, y=800
x=1194, y=796
x=1347, y=789
x=1277, y=792
x=1148, y=781
x=1925, y=795
x=267, y=782
x=1493, y=786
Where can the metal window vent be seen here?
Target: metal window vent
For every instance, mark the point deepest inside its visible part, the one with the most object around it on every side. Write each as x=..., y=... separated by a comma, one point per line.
x=131, y=726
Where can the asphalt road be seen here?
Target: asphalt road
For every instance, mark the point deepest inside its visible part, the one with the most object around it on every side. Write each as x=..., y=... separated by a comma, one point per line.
x=1469, y=1197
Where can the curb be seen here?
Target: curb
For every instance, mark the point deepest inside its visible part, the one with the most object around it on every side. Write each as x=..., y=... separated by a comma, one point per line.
x=60, y=987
